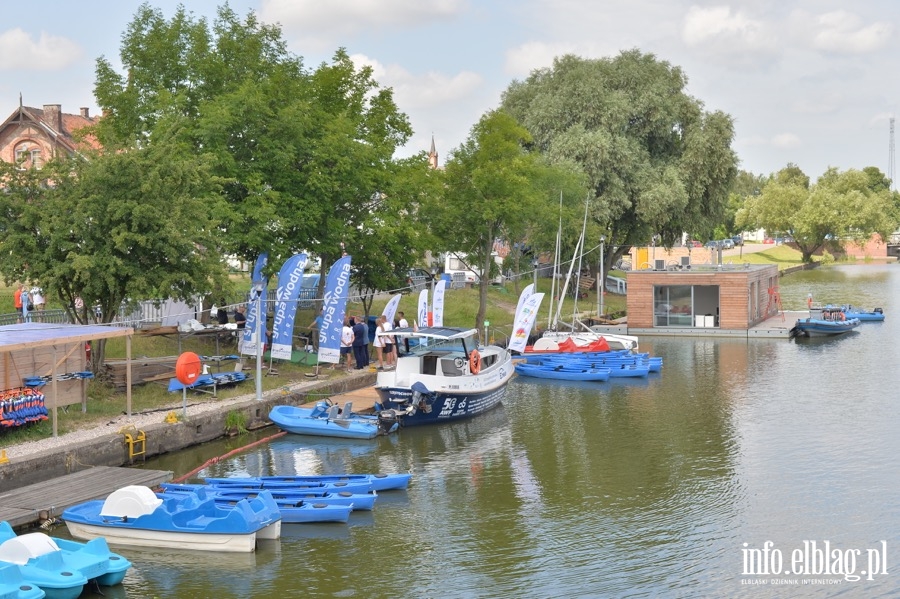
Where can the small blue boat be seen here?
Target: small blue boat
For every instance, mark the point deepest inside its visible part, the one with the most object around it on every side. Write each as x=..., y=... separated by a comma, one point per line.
x=359, y=501
x=376, y=482
x=13, y=586
x=137, y=517
x=876, y=315
x=60, y=567
x=563, y=373
x=330, y=421
x=309, y=487
x=816, y=327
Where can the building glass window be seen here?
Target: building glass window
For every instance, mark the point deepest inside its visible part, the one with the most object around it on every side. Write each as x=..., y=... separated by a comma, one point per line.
x=673, y=306
x=28, y=155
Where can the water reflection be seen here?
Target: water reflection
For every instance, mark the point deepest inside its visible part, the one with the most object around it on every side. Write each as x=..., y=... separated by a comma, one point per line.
x=642, y=489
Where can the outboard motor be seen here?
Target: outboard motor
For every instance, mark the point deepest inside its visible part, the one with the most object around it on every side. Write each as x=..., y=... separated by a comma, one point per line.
x=422, y=398
x=388, y=421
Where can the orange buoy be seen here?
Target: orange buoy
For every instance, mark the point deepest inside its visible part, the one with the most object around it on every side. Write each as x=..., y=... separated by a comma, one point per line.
x=188, y=368
x=474, y=361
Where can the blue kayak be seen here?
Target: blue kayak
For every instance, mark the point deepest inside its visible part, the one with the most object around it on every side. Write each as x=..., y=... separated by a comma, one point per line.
x=375, y=482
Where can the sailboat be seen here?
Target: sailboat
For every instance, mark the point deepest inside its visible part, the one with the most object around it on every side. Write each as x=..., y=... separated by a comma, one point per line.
x=575, y=336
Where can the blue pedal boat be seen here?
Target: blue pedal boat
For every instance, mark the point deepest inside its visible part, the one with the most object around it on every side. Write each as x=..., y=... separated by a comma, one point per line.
x=61, y=567
x=13, y=586
x=137, y=517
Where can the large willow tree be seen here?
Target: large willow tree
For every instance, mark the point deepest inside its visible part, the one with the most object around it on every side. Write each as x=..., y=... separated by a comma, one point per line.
x=656, y=163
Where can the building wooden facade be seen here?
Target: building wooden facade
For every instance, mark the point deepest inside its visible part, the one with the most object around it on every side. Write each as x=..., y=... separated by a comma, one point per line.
x=702, y=296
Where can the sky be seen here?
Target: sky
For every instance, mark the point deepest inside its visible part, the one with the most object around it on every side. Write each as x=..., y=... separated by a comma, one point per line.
x=807, y=82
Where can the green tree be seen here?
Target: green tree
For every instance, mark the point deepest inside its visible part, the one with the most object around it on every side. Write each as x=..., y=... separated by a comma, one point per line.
x=123, y=225
x=495, y=187
x=306, y=156
x=843, y=206
x=656, y=163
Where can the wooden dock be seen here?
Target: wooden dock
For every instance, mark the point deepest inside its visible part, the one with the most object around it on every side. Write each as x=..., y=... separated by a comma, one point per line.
x=32, y=504
x=363, y=400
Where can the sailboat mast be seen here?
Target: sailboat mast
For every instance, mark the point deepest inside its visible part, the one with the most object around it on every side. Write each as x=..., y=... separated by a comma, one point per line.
x=551, y=324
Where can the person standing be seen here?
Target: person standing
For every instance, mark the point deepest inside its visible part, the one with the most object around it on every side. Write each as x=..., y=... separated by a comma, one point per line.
x=37, y=298
x=403, y=324
x=26, y=305
x=347, y=344
x=360, y=344
x=389, y=348
x=17, y=300
x=378, y=342
x=314, y=327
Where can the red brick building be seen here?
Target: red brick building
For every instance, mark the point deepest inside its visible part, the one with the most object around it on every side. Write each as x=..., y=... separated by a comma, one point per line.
x=32, y=136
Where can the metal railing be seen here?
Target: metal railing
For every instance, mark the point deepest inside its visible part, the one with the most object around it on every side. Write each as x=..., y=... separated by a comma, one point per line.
x=49, y=316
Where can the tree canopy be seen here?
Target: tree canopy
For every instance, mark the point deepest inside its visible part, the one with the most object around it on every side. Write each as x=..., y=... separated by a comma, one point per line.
x=305, y=157
x=495, y=189
x=656, y=163
x=841, y=206
x=123, y=225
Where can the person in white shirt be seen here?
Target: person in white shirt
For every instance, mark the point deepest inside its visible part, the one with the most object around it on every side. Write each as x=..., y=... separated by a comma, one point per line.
x=390, y=357
x=37, y=297
x=403, y=324
x=347, y=344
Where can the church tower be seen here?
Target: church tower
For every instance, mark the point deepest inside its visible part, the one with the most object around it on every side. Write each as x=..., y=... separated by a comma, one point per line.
x=432, y=155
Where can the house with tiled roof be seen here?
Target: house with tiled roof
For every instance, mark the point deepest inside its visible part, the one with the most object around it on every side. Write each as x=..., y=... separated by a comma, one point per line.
x=32, y=136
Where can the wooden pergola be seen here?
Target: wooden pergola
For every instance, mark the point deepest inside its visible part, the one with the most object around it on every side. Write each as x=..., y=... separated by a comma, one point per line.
x=36, y=349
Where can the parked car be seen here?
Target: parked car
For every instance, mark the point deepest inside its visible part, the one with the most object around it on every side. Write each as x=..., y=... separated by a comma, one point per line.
x=695, y=243
x=727, y=244
x=737, y=240
x=713, y=244
x=417, y=279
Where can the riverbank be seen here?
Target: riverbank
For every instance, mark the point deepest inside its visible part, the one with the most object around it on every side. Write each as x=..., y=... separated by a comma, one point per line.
x=204, y=419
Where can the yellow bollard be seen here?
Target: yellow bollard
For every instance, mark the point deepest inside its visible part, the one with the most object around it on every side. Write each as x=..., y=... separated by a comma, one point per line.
x=3, y=458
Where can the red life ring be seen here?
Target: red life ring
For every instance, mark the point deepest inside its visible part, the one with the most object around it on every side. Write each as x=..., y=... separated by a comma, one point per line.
x=474, y=361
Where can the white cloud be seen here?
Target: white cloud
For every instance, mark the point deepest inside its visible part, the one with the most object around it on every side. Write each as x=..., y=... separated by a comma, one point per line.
x=728, y=37
x=324, y=24
x=18, y=50
x=428, y=90
x=785, y=140
x=843, y=32
x=523, y=59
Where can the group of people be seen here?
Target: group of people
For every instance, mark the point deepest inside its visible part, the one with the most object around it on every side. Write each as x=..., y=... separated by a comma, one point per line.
x=26, y=301
x=355, y=342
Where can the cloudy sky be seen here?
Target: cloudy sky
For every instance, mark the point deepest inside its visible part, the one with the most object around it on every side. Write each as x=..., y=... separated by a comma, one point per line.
x=809, y=82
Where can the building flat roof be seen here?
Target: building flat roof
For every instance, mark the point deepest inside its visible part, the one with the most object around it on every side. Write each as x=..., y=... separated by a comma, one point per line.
x=15, y=337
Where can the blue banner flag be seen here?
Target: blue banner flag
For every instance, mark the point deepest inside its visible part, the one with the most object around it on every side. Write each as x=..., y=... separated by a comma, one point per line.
x=257, y=305
x=290, y=278
x=334, y=304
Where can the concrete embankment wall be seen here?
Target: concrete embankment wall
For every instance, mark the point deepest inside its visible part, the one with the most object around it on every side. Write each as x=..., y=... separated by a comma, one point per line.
x=110, y=449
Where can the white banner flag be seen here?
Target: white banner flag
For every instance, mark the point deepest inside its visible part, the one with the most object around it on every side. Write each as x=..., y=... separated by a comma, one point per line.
x=524, y=321
x=437, y=303
x=423, y=308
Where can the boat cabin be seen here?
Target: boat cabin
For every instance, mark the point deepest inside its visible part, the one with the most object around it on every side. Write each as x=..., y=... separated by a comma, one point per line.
x=704, y=296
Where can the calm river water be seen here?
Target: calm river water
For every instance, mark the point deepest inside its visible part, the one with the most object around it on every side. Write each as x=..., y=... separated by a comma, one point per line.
x=668, y=487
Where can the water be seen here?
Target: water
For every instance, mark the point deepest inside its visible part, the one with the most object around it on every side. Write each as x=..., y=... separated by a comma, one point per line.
x=644, y=488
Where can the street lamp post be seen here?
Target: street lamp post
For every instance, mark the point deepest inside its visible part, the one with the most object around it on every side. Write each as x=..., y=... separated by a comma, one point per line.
x=534, y=266
x=600, y=281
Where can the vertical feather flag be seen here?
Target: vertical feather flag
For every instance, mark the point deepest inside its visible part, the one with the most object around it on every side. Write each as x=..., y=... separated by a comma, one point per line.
x=422, y=315
x=290, y=280
x=437, y=303
x=524, y=320
x=334, y=305
x=257, y=303
x=390, y=310
x=526, y=293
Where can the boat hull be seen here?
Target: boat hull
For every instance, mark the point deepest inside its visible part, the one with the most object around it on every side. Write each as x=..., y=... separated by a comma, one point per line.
x=562, y=373
x=133, y=537
x=446, y=405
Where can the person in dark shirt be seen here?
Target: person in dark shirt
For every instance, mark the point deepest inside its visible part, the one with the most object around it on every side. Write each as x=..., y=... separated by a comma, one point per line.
x=360, y=344
x=222, y=315
x=239, y=319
